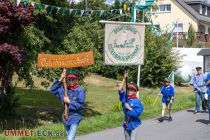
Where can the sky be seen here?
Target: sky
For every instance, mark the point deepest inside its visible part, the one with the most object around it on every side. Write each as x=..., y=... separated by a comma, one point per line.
x=108, y=1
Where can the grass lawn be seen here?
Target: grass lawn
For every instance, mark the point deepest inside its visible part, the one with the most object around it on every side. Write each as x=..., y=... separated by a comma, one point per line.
x=39, y=110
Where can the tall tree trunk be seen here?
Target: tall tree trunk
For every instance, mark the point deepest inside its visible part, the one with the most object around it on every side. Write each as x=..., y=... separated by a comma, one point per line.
x=7, y=100
x=10, y=57
x=6, y=72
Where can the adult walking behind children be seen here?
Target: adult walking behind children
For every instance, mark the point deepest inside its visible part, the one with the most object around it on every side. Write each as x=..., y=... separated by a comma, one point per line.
x=132, y=108
x=167, y=92
x=200, y=90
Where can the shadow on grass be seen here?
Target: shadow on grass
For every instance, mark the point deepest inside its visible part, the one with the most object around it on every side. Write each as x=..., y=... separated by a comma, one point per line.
x=203, y=121
x=182, y=84
x=37, y=108
x=30, y=117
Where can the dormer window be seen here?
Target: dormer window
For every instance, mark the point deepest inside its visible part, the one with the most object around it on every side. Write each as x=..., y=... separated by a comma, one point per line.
x=201, y=10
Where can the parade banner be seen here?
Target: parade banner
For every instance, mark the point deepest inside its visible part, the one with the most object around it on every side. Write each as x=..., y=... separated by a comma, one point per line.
x=124, y=43
x=65, y=61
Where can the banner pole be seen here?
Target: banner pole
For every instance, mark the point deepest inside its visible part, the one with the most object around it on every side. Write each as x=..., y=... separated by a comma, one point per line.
x=138, y=78
x=66, y=115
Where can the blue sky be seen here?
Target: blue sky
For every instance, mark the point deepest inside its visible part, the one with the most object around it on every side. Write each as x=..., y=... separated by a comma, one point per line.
x=110, y=1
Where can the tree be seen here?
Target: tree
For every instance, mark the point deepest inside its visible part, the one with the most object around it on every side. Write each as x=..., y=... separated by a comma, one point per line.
x=13, y=19
x=66, y=34
x=85, y=36
x=160, y=60
x=191, y=38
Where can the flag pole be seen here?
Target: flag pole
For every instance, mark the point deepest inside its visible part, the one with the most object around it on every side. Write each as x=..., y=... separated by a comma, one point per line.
x=139, y=66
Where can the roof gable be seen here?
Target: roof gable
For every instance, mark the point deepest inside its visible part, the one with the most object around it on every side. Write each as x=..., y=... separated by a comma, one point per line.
x=204, y=52
x=192, y=11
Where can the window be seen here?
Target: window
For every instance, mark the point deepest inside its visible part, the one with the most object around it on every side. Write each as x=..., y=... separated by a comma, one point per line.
x=201, y=9
x=206, y=10
x=178, y=27
x=168, y=7
x=162, y=8
x=165, y=7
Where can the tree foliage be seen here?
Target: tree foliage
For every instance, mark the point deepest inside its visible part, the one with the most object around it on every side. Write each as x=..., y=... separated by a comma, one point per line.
x=74, y=34
x=191, y=36
x=12, y=56
x=160, y=59
x=191, y=40
x=23, y=35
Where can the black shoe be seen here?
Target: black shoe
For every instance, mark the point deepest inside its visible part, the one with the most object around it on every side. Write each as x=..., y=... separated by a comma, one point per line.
x=160, y=119
x=169, y=118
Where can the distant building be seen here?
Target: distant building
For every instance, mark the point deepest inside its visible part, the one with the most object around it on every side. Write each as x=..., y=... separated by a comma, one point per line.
x=182, y=13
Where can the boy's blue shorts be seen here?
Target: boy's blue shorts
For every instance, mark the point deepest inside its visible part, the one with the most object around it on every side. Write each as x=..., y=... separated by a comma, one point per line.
x=166, y=100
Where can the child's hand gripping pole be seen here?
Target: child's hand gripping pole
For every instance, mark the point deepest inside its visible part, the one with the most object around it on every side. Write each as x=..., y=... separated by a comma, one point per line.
x=66, y=116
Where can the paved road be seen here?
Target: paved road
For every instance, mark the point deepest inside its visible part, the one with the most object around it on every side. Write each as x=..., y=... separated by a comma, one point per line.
x=185, y=126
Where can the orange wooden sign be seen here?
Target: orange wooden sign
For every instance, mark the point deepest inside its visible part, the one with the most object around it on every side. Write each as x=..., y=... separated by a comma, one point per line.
x=65, y=61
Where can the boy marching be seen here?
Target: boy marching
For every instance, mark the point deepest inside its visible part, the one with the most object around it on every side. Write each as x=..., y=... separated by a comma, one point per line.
x=167, y=92
x=132, y=108
x=75, y=100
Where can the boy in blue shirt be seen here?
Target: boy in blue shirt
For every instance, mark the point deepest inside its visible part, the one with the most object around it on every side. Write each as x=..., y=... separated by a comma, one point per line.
x=75, y=99
x=167, y=92
x=132, y=108
x=208, y=91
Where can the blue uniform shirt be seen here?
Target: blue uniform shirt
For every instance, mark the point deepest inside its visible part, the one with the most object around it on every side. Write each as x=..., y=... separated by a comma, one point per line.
x=206, y=80
x=137, y=110
x=167, y=91
x=77, y=101
x=199, y=82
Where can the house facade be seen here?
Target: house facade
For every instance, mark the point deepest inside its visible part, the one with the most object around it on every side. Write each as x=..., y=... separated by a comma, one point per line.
x=182, y=13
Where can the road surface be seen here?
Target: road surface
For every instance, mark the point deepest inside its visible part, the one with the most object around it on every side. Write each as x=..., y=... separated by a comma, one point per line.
x=185, y=126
